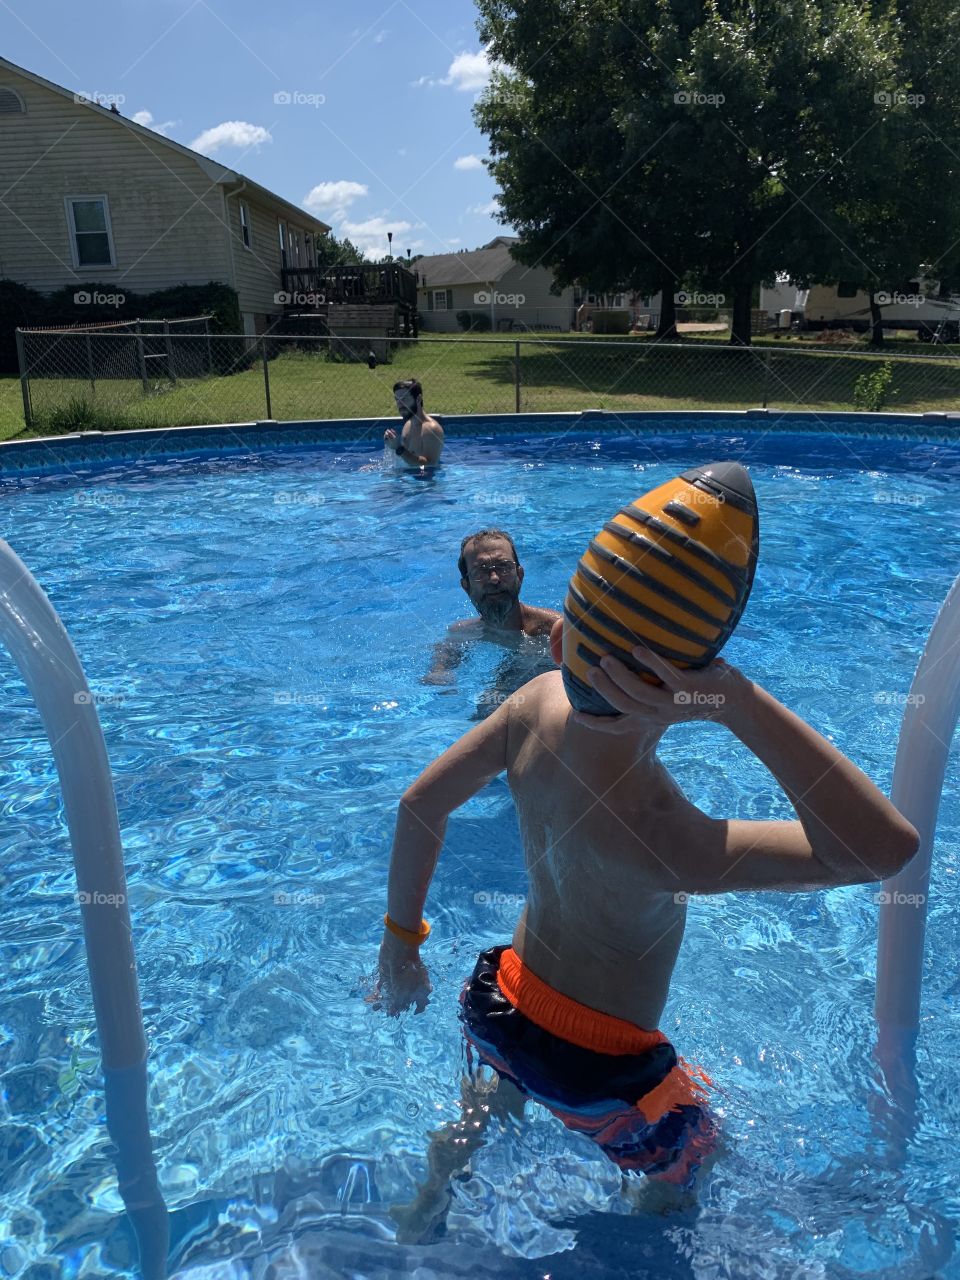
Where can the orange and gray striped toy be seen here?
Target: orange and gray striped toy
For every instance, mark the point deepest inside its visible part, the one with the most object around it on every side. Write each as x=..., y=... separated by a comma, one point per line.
x=672, y=570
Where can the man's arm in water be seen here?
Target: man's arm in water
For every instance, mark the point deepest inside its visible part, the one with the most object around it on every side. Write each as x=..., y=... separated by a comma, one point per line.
x=447, y=656
x=463, y=769
x=846, y=832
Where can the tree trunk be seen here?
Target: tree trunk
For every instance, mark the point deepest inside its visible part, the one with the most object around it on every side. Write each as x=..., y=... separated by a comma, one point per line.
x=740, y=324
x=667, y=328
x=876, y=322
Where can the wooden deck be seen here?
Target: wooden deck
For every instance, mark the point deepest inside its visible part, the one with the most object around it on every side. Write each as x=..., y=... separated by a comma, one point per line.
x=366, y=284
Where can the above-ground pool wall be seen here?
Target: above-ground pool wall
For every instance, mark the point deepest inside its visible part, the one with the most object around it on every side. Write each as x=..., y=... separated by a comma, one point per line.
x=59, y=453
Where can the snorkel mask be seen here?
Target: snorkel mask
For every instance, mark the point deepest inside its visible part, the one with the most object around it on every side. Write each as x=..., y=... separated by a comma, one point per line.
x=673, y=570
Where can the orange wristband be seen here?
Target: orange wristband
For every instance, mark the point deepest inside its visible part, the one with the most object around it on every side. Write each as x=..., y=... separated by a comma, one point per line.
x=407, y=935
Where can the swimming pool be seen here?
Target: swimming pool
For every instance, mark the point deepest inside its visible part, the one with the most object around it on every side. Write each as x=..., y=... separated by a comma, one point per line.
x=255, y=629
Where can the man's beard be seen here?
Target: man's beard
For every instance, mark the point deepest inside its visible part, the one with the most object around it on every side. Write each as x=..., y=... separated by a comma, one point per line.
x=496, y=609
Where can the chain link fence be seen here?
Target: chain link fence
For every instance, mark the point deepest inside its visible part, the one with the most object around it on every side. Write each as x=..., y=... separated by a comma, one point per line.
x=85, y=380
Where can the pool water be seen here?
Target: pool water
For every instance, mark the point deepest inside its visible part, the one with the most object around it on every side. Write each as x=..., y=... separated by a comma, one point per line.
x=256, y=630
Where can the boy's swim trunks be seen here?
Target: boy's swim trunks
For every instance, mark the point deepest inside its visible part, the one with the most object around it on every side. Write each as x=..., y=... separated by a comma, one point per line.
x=618, y=1084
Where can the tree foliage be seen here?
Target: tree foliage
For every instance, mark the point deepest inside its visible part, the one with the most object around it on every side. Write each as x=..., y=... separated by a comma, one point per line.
x=654, y=143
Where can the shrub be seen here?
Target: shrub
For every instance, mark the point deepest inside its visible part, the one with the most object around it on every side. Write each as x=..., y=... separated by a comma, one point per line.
x=478, y=320
x=871, y=391
x=78, y=414
x=21, y=307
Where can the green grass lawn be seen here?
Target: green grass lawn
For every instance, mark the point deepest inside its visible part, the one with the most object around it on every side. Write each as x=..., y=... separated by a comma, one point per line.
x=478, y=375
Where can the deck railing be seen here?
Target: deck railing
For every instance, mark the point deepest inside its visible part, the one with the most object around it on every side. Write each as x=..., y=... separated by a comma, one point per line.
x=363, y=282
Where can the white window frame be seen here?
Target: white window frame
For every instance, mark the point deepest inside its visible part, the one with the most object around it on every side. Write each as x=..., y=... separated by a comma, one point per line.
x=308, y=249
x=284, y=244
x=246, y=231
x=68, y=203
x=440, y=293
x=295, y=237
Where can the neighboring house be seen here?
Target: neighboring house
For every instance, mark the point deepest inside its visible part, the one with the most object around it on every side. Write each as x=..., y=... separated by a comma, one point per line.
x=90, y=196
x=490, y=281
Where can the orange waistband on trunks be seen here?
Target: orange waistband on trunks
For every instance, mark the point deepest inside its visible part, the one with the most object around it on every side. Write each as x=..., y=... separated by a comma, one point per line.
x=567, y=1018
x=602, y=1032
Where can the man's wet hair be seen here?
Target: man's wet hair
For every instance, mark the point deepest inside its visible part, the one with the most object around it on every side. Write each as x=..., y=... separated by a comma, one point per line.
x=411, y=384
x=484, y=533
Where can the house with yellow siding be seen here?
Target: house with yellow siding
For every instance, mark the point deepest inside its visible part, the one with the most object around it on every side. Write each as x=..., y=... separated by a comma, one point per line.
x=88, y=195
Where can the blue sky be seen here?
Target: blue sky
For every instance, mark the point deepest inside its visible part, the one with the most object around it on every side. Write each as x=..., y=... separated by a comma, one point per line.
x=377, y=133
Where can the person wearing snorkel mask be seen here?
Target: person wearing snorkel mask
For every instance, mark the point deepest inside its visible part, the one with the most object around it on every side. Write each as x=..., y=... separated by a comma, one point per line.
x=420, y=441
x=568, y=1012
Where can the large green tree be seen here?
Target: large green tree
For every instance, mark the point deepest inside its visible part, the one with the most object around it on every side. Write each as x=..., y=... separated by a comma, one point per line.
x=891, y=209
x=648, y=142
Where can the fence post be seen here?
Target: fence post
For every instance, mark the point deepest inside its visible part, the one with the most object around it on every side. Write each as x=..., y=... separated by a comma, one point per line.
x=766, y=374
x=24, y=381
x=516, y=377
x=141, y=355
x=206, y=330
x=169, y=346
x=89, y=345
x=266, y=377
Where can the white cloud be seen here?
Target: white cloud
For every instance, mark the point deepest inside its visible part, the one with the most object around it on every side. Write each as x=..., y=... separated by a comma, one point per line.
x=371, y=236
x=468, y=72
x=468, y=162
x=485, y=209
x=232, y=133
x=380, y=37
x=146, y=119
x=334, y=198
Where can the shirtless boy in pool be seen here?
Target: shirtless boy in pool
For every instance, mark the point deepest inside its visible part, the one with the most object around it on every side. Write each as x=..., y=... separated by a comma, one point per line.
x=612, y=849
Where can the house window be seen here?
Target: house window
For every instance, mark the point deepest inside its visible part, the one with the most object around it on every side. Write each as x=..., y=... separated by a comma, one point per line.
x=283, y=244
x=90, y=237
x=618, y=300
x=308, y=242
x=244, y=223
x=440, y=300
x=295, y=239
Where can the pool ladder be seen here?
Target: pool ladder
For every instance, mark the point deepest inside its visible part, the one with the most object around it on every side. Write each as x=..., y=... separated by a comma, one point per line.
x=51, y=670
x=929, y=721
